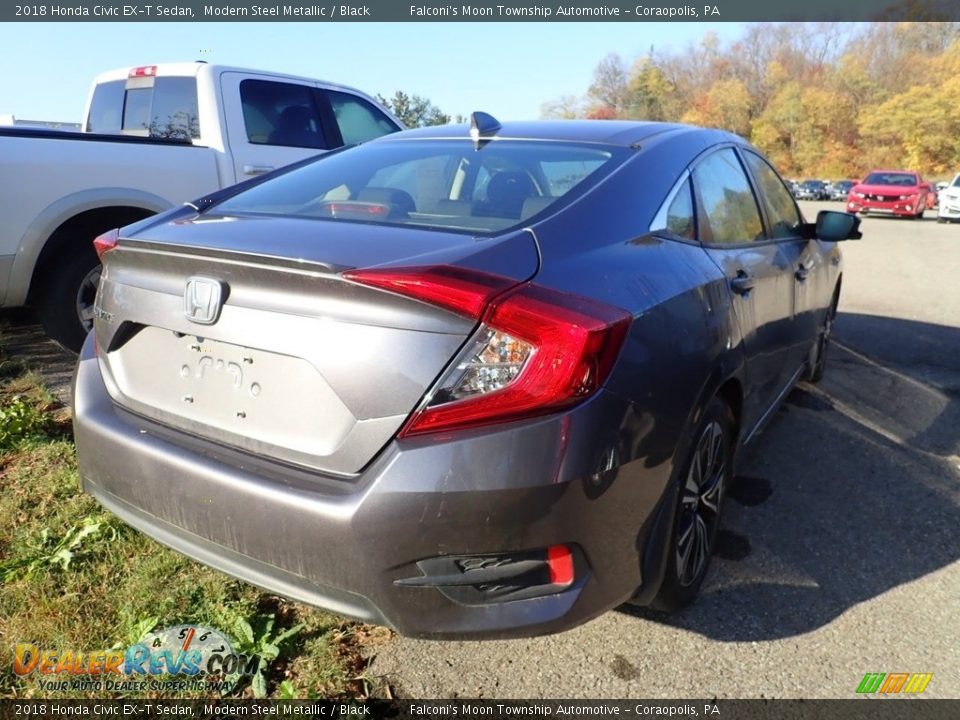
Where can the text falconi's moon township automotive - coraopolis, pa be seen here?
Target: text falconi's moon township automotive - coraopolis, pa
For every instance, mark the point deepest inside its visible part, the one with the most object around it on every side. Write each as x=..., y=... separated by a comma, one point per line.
x=546, y=11
x=504, y=11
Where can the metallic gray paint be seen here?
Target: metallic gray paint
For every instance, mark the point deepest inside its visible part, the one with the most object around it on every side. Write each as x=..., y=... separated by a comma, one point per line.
x=341, y=541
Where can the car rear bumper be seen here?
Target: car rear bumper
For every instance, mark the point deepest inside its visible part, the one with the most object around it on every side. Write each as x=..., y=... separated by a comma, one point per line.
x=341, y=543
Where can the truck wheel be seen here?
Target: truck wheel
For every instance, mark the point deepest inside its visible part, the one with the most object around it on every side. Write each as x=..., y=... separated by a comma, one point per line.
x=65, y=304
x=699, y=507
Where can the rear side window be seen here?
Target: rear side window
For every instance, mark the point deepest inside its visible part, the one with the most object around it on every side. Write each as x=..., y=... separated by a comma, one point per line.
x=162, y=107
x=106, y=108
x=781, y=209
x=281, y=114
x=358, y=119
x=680, y=217
x=729, y=210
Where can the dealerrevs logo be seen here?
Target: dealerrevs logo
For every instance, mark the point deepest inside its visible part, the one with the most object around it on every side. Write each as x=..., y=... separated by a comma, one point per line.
x=894, y=683
x=189, y=656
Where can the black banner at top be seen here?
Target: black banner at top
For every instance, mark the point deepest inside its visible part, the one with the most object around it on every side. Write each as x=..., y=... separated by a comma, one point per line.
x=479, y=11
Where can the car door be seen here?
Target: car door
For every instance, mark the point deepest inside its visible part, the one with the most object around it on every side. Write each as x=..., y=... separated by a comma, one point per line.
x=271, y=123
x=812, y=289
x=759, y=269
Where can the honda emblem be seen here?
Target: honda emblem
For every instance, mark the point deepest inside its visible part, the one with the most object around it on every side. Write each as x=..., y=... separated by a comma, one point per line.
x=202, y=300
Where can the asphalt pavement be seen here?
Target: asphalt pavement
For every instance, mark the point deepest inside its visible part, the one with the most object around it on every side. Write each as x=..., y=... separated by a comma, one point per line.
x=839, y=554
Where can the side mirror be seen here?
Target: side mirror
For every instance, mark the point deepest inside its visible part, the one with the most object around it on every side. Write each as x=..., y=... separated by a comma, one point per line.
x=833, y=226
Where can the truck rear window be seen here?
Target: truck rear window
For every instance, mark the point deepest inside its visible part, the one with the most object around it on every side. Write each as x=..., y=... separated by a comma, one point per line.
x=163, y=107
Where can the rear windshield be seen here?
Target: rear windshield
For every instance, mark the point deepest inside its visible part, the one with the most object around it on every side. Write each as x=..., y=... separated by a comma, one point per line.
x=443, y=184
x=885, y=178
x=162, y=107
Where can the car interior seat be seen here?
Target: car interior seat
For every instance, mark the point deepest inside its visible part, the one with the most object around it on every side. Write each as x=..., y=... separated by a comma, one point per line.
x=294, y=127
x=506, y=193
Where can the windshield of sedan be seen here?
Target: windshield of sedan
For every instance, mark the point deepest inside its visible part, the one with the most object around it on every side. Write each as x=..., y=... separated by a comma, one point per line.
x=899, y=179
x=443, y=184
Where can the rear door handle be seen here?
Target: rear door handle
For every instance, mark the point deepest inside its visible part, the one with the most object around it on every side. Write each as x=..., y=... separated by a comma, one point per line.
x=257, y=169
x=742, y=283
x=801, y=273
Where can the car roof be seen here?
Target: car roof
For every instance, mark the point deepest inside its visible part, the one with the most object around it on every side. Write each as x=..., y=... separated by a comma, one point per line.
x=607, y=132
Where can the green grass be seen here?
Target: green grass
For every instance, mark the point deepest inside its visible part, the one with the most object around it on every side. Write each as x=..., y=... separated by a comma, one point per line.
x=76, y=578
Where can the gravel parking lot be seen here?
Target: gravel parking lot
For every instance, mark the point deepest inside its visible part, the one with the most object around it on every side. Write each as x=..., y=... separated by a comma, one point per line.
x=840, y=547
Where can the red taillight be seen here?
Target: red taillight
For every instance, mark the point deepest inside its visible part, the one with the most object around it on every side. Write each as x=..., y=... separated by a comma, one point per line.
x=105, y=242
x=143, y=71
x=560, y=564
x=564, y=345
x=464, y=291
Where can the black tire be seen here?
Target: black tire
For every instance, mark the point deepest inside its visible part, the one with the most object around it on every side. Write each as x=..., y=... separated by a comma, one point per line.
x=817, y=363
x=699, y=508
x=68, y=289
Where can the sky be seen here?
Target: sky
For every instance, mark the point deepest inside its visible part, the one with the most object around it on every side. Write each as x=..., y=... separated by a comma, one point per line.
x=507, y=69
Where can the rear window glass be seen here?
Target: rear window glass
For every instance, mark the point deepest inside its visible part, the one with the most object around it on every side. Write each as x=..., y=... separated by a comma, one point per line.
x=163, y=107
x=443, y=184
x=106, y=108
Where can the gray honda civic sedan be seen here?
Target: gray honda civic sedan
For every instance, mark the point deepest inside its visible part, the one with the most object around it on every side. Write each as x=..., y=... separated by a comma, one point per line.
x=465, y=382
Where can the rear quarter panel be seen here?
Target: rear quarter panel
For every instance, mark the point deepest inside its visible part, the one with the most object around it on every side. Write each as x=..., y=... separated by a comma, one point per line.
x=684, y=341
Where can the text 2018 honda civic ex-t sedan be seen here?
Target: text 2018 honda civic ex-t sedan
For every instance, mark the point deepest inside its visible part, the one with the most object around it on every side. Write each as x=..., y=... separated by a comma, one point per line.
x=479, y=383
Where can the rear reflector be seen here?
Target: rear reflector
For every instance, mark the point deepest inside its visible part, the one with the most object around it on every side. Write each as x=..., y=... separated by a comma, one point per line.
x=560, y=563
x=538, y=350
x=105, y=242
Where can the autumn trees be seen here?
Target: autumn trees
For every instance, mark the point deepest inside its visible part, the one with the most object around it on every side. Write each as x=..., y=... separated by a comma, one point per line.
x=822, y=99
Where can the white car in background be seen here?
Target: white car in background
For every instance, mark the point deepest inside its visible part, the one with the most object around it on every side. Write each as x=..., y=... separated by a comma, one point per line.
x=949, y=201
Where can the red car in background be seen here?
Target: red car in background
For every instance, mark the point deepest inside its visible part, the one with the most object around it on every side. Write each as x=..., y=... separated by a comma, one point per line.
x=892, y=192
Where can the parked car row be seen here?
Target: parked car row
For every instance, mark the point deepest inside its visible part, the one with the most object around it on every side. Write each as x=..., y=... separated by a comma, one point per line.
x=901, y=193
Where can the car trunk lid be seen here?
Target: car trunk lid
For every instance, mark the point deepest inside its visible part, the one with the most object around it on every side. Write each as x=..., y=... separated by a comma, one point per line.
x=296, y=362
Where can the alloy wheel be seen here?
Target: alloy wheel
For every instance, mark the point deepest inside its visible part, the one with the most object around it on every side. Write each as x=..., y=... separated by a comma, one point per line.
x=700, y=505
x=86, y=296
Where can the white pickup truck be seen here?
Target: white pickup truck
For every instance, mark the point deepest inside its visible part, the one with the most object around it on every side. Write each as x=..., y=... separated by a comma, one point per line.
x=153, y=137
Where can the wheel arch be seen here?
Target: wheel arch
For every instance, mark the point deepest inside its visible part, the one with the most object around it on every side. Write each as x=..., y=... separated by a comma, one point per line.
x=726, y=381
x=39, y=244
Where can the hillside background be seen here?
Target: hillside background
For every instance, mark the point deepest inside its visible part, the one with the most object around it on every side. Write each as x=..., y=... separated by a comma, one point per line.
x=825, y=100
